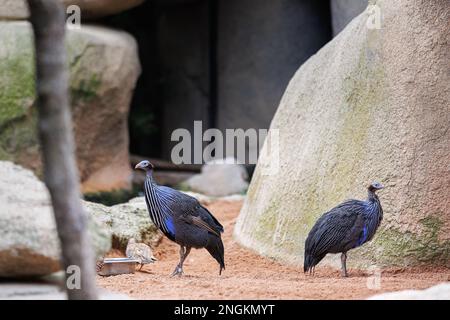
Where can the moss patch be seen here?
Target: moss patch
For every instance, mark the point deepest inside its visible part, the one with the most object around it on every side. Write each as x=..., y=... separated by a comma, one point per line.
x=16, y=78
x=18, y=131
x=84, y=90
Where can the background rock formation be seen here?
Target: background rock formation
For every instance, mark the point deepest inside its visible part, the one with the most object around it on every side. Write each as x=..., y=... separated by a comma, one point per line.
x=104, y=67
x=370, y=105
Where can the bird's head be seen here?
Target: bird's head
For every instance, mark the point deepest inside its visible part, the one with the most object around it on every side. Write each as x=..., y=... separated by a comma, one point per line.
x=375, y=186
x=144, y=165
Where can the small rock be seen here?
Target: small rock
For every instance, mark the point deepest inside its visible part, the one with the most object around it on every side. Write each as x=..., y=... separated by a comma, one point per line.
x=219, y=179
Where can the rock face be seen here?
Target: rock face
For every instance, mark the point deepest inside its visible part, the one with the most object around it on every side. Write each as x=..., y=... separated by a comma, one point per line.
x=127, y=220
x=438, y=292
x=29, y=244
x=371, y=105
x=261, y=43
x=104, y=67
x=343, y=11
x=183, y=45
x=17, y=9
x=219, y=179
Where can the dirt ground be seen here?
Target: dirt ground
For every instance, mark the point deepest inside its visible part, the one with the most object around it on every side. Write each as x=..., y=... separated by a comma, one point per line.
x=249, y=276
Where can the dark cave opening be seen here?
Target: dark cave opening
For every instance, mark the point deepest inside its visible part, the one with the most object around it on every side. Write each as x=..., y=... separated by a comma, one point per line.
x=225, y=63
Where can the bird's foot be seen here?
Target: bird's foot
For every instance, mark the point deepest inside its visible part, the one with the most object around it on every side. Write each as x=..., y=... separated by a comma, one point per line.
x=344, y=274
x=177, y=272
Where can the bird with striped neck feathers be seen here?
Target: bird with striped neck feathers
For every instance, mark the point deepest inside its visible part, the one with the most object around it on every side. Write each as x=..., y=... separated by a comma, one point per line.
x=182, y=219
x=345, y=227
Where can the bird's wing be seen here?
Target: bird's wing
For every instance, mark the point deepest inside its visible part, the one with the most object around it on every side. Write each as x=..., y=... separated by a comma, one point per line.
x=208, y=213
x=196, y=220
x=335, y=228
x=190, y=210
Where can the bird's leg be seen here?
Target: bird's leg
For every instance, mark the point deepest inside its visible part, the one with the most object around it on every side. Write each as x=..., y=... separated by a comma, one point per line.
x=344, y=264
x=141, y=266
x=184, y=251
x=178, y=269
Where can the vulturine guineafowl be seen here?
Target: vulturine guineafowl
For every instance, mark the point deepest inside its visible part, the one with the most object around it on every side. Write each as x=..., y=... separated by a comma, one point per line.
x=345, y=227
x=182, y=219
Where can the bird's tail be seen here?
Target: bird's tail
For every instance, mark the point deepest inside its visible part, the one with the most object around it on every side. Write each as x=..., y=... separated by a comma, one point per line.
x=215, y=248
x=310, y=261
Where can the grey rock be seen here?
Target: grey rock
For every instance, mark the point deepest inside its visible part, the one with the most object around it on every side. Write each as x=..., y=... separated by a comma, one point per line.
x=437, y=292
x=45, y=291
x=219, y=179
x=13, y=10
x=30, y=244
x=127, y=220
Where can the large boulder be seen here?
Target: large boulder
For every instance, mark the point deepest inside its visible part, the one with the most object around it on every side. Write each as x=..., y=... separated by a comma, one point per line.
x=18, y=10
x=29, y=244
x=373, y=104
x=104, y=67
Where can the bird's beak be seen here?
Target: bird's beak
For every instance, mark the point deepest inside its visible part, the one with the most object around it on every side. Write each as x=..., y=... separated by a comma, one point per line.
x=381, y=187
x=138, y=166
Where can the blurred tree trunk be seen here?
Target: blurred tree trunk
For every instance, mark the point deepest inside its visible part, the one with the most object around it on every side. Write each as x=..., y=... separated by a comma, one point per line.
x=55, y=133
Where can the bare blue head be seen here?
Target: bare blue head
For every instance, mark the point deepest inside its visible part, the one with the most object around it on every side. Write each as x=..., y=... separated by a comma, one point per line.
x=375, y=186
x=144, y=165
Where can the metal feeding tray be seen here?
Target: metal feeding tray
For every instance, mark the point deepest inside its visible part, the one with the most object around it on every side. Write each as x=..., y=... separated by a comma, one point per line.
x=115, y=266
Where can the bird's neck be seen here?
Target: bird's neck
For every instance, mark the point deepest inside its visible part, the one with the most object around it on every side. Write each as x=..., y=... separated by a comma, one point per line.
x=372, y=197
x=149, y=178
x=375, y=203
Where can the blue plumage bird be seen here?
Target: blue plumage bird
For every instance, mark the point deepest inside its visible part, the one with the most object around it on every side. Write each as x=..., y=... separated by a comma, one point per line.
x=345, y=227
x=182, y=219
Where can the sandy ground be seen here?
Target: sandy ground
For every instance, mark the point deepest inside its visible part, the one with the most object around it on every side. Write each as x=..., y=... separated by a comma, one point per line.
x=249, y=276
